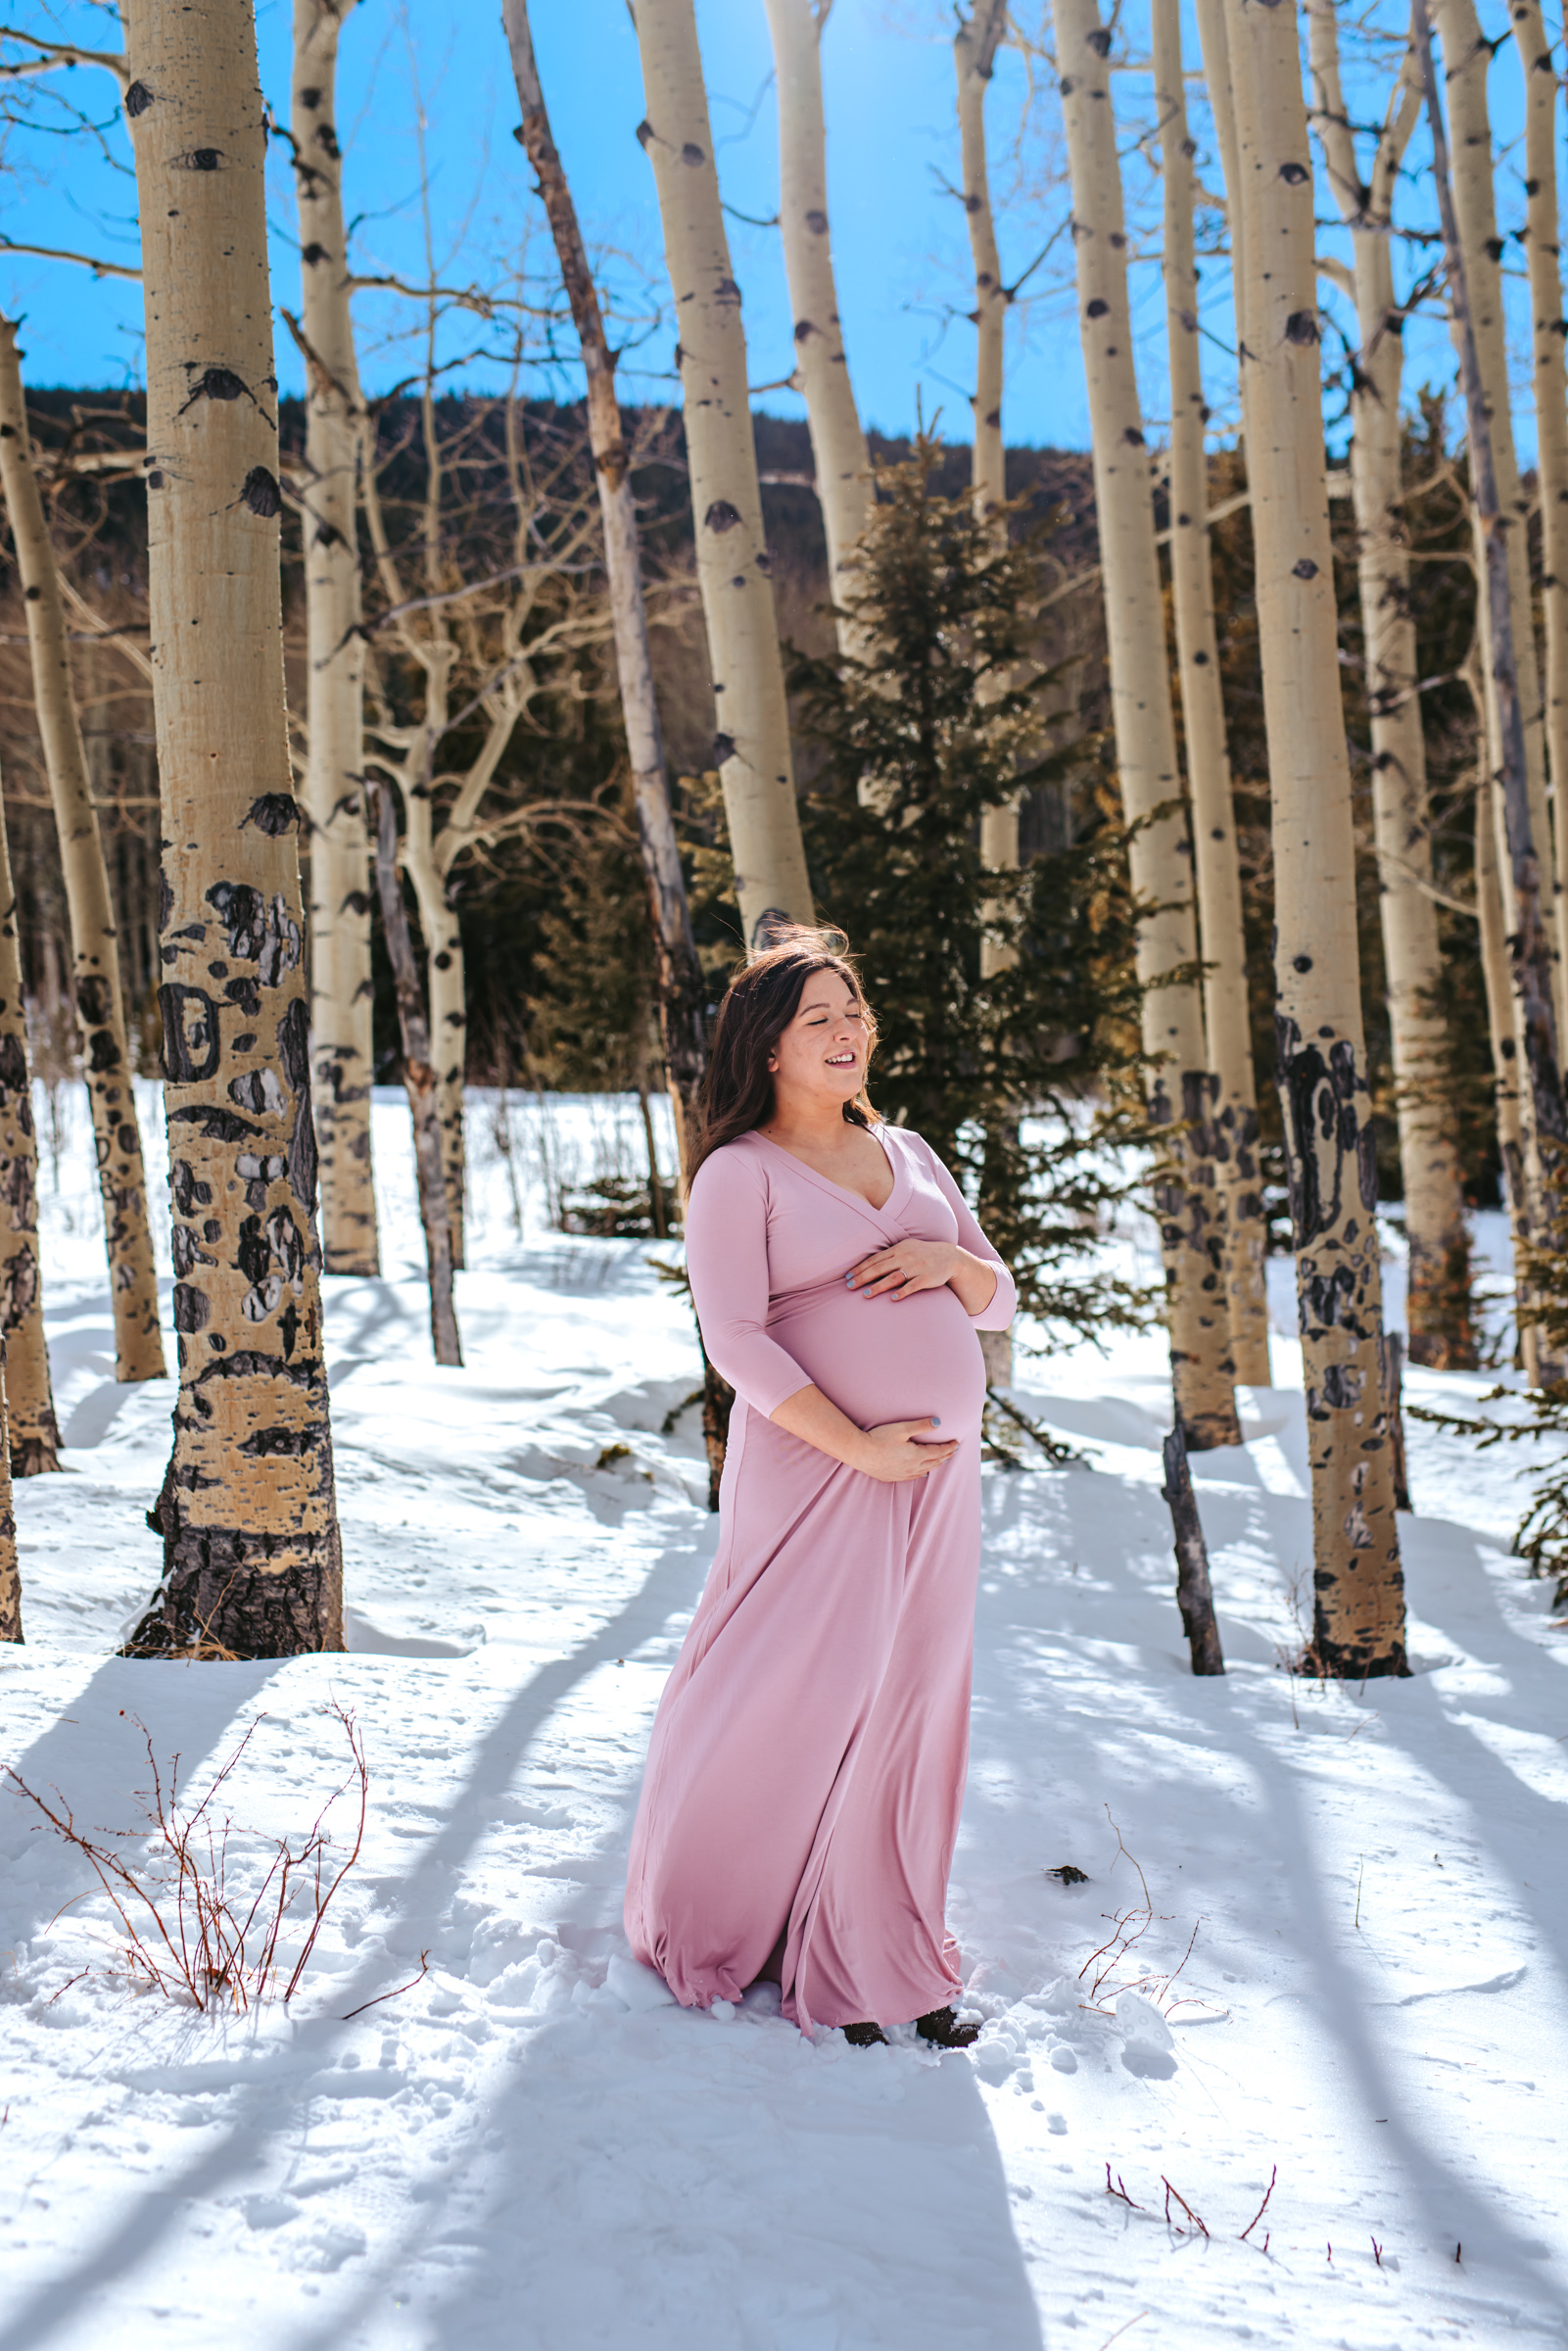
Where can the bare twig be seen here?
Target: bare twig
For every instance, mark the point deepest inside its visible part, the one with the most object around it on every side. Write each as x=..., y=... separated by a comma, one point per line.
x=1263, y=2208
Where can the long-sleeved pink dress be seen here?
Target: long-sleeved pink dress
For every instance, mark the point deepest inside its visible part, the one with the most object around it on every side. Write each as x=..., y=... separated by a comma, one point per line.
x=806, y=1771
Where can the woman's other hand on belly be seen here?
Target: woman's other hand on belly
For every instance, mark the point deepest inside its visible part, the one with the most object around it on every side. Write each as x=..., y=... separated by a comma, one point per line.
x=910, y=1267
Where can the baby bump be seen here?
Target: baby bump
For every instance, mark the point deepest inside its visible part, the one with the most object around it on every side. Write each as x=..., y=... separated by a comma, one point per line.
x=884, y=1361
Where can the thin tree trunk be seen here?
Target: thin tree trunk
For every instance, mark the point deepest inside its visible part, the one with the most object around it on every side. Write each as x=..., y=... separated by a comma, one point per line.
x=1544, y=255
x=252, y=1560
x=1195, y=1596
x=1191, y=1206
x=1216, y=861
x=751, y=748
x=1497, y=980
x=100, y=1009
x=1359, y=1622
x=34, y=1433
x=447, y=1037
x=974, y=46
x=10, y=1568
x=1545, y=1119
x=419, y=1080
x=1467, y=56
x=678, y=975
x=1440, y=1319
x=340, y=1046
x=837, y=444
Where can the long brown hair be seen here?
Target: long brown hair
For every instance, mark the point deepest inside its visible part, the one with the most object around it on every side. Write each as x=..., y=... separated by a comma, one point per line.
x=762, y=1000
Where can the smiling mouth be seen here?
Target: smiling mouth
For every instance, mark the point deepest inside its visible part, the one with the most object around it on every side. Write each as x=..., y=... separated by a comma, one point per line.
x=840, y=1060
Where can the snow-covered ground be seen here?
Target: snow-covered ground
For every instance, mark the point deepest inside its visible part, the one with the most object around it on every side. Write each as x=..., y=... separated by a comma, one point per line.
x=529, y=2148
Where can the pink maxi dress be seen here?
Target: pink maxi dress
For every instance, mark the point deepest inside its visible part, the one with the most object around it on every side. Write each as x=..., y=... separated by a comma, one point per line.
x=806, y=1770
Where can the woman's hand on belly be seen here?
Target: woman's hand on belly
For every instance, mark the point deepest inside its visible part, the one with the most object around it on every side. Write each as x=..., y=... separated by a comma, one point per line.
x=912, y=1266
x=891, y=1453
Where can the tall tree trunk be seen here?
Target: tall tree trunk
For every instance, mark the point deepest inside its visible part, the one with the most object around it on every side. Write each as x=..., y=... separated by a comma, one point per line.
x=34, y=1433
x=252, y=1559
x=1217, y=864
x=837, y=444
x=419, y=1082
x=1441, y=1326
x=341, y=1046
x=1467, y=54
x=1546, y=1114
x=100, y=1009
x=751, y=748
x=974, y=46
x=1497, y=981
x=447, y=1032
x=1551, y=427
x=1191, y=1206
x=1358, y=1618
x=10, y=1568
x=678, y=975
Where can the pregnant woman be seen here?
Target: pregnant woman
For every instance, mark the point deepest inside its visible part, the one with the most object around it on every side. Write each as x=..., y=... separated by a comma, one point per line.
x=806, y=1772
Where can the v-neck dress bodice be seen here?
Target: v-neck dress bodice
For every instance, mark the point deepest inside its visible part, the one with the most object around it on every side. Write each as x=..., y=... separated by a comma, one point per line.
x=807, y=1765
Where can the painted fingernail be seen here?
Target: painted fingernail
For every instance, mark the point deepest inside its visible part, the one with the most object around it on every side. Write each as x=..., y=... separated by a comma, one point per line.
x=936, y=1420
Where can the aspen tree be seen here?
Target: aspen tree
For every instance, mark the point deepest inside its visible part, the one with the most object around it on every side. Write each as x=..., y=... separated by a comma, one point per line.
x=252, y=1559
x=822, y=367
x=9, y=1570
x=1525, y=862
x=1441, y=1328
x=1550, y=373
x=34, y=1433
x=1216, y=863
x=1497, y=982
x=95, y=954
x=1358, y=1615
x=1467, y=54
x=678, y=981
x=341, y=1048
x=751, y=748
x=1191, y=1205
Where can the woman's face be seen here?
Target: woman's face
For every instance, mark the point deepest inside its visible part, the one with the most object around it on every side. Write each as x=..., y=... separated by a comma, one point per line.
x=819, y=1062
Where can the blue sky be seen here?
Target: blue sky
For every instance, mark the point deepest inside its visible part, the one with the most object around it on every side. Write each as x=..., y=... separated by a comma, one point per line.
x=899, y=237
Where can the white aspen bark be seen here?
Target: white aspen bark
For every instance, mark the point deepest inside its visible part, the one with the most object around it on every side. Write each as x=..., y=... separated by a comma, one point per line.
x=95, y=955
x=419, y=1082
x=1358, y=1618
x=253, y=1563
x=1497, y=981
x=34, y=1432
x=1192, y=1205
x=1551, y=372
x=1441, y=1333
x=751, y=748
x=10, y=1568
x=1524, y=854
x=837, y=443
x=975, y=47
x=1216, y=863
x=447, y=981
x=1467, y=54
x=679, y=983
x=340, y=1047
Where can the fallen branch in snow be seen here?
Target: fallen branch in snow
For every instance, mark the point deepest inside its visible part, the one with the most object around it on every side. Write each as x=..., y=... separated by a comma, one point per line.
x=424, y=1969
x=1119, y=2191
x=1196, y=2218
x=185, y=1932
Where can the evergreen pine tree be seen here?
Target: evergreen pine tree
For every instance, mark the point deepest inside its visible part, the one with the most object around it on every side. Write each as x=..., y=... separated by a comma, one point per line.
x=1024, y=1081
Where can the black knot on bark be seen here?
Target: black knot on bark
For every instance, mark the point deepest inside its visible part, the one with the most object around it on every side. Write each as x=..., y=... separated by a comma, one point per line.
x=817, y=222
x=1099, y=41
x=1302, y=327
x=1097, y=308
x=313, y=253
x=138, y=98
x=310, y=98
x=693, y=154
x=1068, y=85
x=33, y=595
x=199, y=159
x=274, y=813
x=1133, y=437
x=723, y=749
x=1300, y=962
x=1306, y=569
x=1293, y=175
x=721, y=516
x=1493, y=248
x=260, y=493
x=644, y=132
x=217, y=383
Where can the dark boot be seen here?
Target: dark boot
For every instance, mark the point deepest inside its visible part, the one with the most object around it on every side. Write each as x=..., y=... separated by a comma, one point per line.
x=865, y=2037
x=944, y=2028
